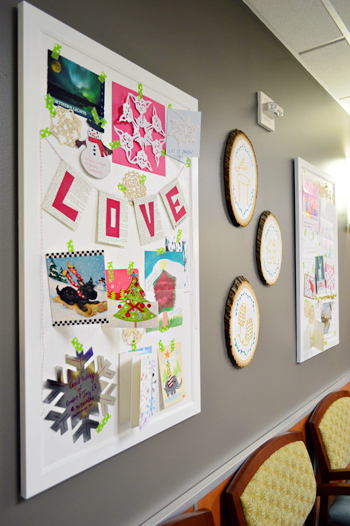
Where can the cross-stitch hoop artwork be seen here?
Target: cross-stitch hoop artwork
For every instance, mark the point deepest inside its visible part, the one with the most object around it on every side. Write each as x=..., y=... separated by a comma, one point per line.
x=269, y=248
x=241, y=178
x=242, y=321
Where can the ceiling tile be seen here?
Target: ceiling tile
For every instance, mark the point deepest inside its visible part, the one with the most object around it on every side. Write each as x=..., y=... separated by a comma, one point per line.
x=331, y=65
x=343, y=9
x=301, y=24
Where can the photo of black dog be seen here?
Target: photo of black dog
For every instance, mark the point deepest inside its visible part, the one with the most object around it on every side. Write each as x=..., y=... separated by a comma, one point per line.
x=70, y=295
x=77, y=288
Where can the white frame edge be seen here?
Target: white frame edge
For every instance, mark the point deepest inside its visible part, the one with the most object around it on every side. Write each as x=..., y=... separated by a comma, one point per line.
x=31, y=22
x=300, y=163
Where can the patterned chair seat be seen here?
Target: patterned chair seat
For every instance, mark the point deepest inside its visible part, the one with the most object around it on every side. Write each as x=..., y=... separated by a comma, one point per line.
x=275, y=487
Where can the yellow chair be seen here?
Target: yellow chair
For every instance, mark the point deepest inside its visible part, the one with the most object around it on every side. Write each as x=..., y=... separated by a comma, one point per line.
x=330, y=430
x=276, y=486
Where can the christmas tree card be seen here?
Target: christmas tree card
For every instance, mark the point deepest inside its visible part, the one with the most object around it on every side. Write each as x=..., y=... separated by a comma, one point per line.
x=171, y=376
x=76, y=287
x=122, y=279
x=134, y=309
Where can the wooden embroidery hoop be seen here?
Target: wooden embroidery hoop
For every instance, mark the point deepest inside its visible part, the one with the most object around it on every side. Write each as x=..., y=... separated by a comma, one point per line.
x=239, y=283
x=234, y=137
x=259, y=255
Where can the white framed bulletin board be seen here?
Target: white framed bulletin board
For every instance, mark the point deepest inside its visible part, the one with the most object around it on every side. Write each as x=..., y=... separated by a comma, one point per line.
x=108, y=240
x=317, y=286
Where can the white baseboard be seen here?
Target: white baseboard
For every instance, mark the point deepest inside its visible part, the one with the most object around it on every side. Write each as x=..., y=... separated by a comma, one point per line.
x=197, y=492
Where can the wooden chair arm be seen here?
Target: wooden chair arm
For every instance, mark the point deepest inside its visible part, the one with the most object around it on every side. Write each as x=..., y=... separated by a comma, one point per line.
x=340, y=488
x=339, y=474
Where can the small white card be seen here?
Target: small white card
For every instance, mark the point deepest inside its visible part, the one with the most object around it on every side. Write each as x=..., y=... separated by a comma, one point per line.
x=147, y=390
x=183, y=133
x=130, y=384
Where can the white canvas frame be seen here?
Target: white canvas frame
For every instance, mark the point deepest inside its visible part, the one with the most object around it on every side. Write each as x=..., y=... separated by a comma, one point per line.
x=34, y=25
x=304, y=352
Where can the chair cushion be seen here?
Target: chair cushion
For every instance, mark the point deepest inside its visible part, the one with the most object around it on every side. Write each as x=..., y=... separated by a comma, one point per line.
x=283, y=490
x=335, y=432
x=340, y=510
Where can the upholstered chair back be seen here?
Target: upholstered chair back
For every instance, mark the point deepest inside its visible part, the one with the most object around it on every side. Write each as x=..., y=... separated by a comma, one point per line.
x=283, y=490
x=335, y=432
x=276, y=486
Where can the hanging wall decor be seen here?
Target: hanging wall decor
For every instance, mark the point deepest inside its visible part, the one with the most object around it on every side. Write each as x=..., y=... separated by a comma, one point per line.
x=108, y=266
x=242, y=321
x=241, y=178
x=316, y=237
x=269, y=248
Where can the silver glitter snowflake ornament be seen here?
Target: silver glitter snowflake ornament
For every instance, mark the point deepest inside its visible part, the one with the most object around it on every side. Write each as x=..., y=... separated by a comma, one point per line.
x=81, y=394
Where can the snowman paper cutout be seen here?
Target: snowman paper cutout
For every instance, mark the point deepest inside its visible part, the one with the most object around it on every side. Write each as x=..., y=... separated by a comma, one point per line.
x=94, y=157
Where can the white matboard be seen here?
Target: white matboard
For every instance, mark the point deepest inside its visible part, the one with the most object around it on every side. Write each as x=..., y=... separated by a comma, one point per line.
x=49, y=457
x=317, y=286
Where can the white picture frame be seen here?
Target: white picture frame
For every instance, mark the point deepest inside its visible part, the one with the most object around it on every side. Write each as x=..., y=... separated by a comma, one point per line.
x=317, y=285
x=47, y=458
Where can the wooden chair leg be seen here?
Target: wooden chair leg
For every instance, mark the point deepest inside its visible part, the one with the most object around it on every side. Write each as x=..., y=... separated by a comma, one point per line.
x=313, y=515
x=323, y=513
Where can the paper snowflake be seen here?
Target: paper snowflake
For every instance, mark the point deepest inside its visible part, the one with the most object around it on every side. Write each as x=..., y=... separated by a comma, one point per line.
x=81, y=394
x=183, y=131
x=66, y=127
x=133, y=186
x=134, y=109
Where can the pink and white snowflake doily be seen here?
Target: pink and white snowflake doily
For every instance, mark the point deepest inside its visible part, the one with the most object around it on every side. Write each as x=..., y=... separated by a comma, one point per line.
x=139, y=125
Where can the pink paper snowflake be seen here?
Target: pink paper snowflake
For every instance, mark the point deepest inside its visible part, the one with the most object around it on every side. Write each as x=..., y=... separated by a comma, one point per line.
x=139, y=125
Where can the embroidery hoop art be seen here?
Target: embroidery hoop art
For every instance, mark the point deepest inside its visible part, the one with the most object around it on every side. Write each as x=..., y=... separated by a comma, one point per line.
x=239, y=182
x=267, y=222
x=236, y=319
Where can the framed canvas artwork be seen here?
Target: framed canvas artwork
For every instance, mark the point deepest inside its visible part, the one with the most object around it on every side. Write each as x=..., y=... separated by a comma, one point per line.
x=108, y=243
x=317, y=286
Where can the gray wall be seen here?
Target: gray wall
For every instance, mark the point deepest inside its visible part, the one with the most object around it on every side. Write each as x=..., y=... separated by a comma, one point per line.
x=221, y=54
